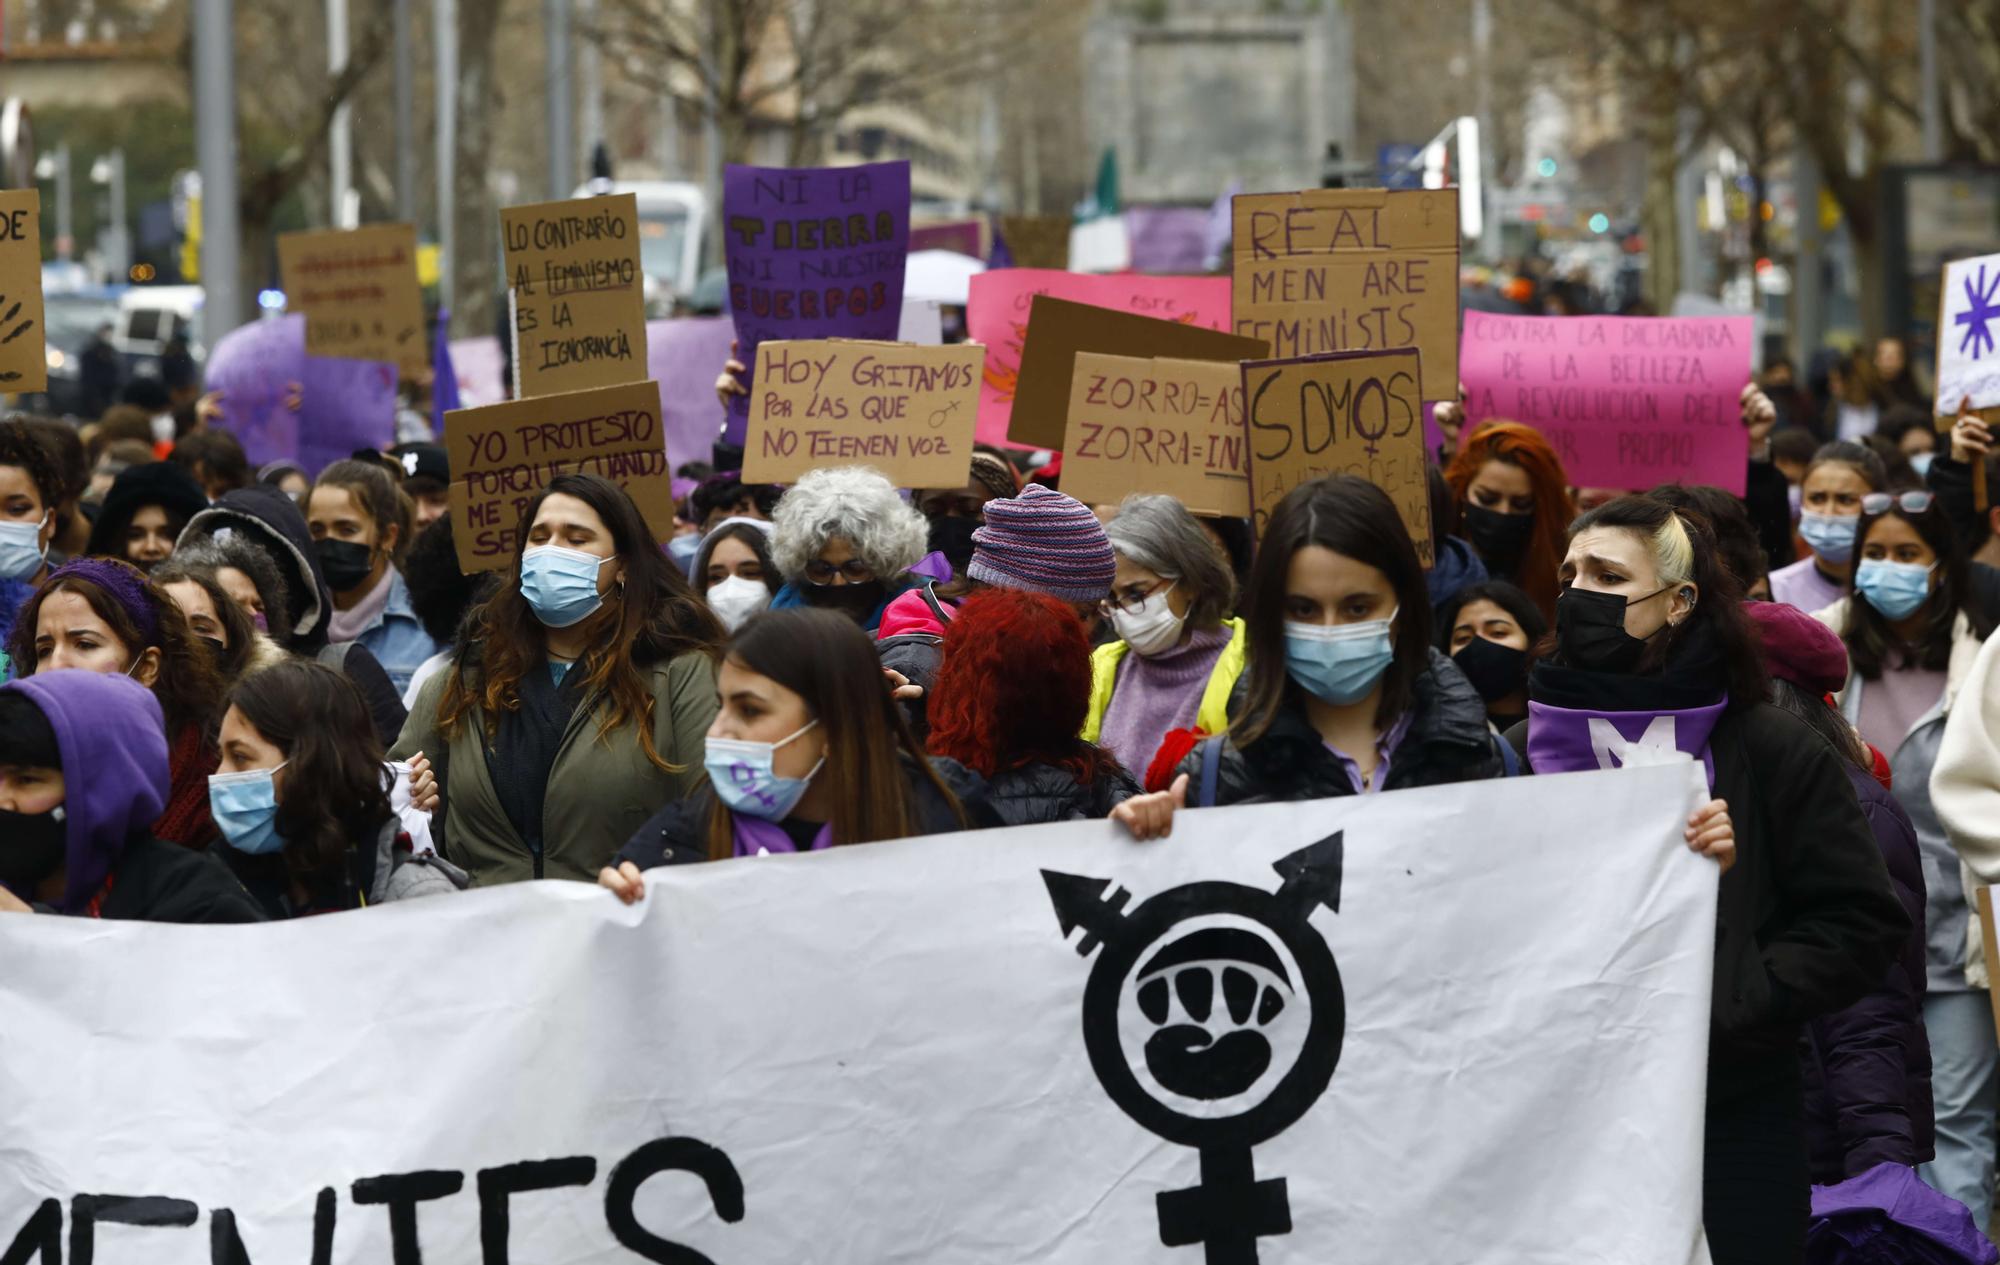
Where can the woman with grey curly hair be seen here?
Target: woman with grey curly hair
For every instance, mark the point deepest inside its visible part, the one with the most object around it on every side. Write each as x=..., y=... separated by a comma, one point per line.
x=844, y=540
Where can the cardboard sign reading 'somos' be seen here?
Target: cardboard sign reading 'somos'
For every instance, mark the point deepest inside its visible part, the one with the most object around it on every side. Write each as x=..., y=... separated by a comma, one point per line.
x=1356, y=412
x=1168, y=426
x=1625, y=401
x=358, y=291
x=24, y=362
x=578, y=293
x=1351, y=270
x=907, y=411
x=503, y=454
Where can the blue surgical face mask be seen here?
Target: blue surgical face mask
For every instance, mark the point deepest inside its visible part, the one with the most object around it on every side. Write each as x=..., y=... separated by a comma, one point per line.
x=682, y=549
x=245, y=806
x=1921, y=463
x=1339, y=663
x=1830, y=535
x=21, y=552
x=742, y=775
x=561, y=584
x=1896, y=589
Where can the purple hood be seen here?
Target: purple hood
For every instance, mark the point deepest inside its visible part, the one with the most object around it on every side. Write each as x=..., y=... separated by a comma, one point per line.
x=114, y=756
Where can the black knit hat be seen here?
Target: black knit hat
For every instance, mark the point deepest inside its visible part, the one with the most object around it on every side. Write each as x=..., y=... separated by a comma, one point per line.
x=160, y=483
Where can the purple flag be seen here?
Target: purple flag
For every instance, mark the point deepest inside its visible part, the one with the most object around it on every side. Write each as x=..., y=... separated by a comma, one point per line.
x=684, y=356
x=813, y=252
x=346, y=404
x=254, y=366
x=1168, y=239
x=444, y=378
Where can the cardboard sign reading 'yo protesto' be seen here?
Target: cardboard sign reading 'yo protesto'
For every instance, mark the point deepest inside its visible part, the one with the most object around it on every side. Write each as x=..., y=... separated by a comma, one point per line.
x=1354, y=413
x=503, y=454
x=907, y=411
x=358, y=291
x=1351, y=270
x=23, y=349
x=578, y=293
x=1166, y=426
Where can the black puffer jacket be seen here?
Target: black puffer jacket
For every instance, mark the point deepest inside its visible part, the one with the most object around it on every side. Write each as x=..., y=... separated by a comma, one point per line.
x=1448, y=741
x=1038, y=793
x=678, y=833
x=1806, y=922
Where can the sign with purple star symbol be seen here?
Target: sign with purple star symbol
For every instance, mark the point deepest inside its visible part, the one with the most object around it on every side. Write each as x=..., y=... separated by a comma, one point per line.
x=1968, y=368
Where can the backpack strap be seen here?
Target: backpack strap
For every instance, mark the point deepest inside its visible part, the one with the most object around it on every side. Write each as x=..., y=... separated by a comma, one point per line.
x=1510, y=761
x=938, y=608
x=1211, y=770
x=333, y=655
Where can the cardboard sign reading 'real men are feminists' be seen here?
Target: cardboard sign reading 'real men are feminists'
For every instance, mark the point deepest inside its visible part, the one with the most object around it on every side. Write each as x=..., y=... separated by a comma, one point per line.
x=358, y=291
x=1351, y=270
x=502, y=455
x=905, y=410
x=1354, y=412
x=1167, y=426
x=24, y=353
x=578, y=294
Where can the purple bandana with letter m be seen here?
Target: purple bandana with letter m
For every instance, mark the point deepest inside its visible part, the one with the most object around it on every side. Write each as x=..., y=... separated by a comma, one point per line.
x=1566, y=740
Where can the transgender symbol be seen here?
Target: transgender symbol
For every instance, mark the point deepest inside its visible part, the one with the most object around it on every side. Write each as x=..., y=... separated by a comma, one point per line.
x=1214, y=1019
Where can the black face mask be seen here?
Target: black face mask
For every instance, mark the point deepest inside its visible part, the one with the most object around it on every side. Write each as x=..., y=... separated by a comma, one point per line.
x=344, y=563
x=35, y=847
x=1590, y=630
x=856, y=601
x=1494, y=670
x=952, y=537
x=1500, y=538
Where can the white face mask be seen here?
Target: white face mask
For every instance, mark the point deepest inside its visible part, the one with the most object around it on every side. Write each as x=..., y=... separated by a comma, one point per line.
x=1153, y=628
x=735, y=599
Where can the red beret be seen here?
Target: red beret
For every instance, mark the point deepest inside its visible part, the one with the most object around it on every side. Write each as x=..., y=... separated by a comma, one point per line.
x=1798, y=648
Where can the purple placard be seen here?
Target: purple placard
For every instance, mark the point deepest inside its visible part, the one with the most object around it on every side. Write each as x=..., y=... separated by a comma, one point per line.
x=253, y=366
x=813, y=252
x=684, y=356
x=1168, y=239
x=346, y=404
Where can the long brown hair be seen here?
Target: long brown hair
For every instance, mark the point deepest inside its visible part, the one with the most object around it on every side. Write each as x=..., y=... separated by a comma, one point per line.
x=1352, y=517
x=336, y=796
x=1524, y=446
x=826, y=659
x=655, y=617
x=189, y=682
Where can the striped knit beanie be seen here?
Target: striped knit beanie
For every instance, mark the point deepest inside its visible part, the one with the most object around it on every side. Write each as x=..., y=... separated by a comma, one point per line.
x=1043, y=542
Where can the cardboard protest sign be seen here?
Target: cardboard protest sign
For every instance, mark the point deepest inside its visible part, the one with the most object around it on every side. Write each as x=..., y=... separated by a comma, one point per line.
x=998, y=317
x=1353, y=412
x=1040, y=1043
x=813, y=252
x=1352, y=270
x=1626, y=401
x=357, y=289
x=24, y=364
x=503, y=454
x=578, y=293
x=901, y=409
x=1167, y=426
x=1059, y=329
x=1037, y=241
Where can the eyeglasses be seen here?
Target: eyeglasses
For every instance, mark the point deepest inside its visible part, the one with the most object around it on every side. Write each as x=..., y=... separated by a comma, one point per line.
x=1908, y=502
x=855, y=571
x=1133, y=598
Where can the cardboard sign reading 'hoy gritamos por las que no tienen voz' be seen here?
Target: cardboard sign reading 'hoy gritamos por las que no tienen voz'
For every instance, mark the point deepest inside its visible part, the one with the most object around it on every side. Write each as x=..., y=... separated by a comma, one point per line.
x=905, y=410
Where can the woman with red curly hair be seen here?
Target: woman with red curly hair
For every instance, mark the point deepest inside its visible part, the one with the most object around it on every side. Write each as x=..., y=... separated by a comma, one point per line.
x=1514, y=495
x=1008, y=703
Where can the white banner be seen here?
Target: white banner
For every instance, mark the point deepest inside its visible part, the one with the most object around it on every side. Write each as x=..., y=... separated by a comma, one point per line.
x=1458, y=1025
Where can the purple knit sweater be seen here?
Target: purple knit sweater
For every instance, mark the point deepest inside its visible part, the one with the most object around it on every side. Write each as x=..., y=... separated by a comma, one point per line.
x=1152, y=696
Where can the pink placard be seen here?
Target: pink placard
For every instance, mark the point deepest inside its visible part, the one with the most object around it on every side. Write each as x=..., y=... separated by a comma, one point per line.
x=1626, y=401
x=998, y=317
